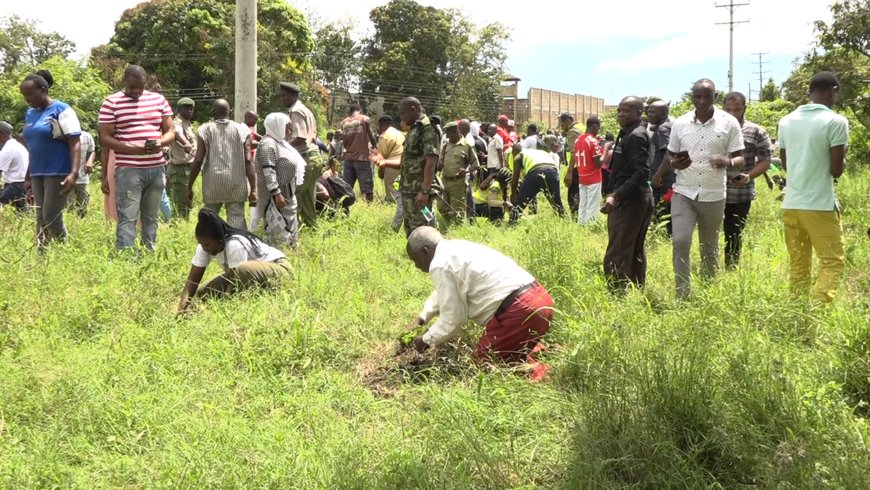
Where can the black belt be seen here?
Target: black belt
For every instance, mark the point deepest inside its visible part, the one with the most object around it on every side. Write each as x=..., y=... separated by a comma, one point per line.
x=509, y=300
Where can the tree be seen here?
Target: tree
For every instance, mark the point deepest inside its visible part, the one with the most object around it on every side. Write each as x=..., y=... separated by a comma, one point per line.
x=74, y=83
x=770, y=92
x=850, y=28
x=443, y=60
x=22, y=43
x=188, y=48
x=336, y=64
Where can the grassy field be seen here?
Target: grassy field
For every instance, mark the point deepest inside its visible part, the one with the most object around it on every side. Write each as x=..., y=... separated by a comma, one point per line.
x=102, y=387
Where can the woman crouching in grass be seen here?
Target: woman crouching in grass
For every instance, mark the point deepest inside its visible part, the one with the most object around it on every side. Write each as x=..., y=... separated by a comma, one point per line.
x=248, y=262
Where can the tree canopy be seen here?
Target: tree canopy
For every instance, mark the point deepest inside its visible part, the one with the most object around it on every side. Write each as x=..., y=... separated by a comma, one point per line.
x=23, y=43
x=436, y=55
x=188, y=48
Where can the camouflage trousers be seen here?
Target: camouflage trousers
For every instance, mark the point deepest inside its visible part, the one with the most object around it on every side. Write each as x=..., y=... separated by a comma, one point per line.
x=412, y=218
x=176, y=183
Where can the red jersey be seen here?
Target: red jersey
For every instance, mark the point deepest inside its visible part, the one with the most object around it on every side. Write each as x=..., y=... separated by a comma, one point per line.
x=587, y=148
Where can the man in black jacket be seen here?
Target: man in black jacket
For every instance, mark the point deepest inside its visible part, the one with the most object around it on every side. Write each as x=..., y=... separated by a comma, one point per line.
x=628, y=203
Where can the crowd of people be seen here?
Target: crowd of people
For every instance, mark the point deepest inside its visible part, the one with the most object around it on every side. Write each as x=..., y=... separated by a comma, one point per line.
x=697, y=171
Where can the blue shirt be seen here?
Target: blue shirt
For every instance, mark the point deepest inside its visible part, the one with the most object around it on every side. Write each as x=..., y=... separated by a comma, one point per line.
x=50, y=157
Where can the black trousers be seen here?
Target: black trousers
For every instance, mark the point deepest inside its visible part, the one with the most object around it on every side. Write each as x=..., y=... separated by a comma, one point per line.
x=625, y=258
x=735, y=221
x=574, y=193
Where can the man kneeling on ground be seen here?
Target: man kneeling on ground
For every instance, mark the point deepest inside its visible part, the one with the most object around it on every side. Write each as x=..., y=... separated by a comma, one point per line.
x=475, y=282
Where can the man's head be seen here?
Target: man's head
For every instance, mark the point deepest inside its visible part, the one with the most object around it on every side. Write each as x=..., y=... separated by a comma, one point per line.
x=566, y=119
x=251, y=119
x=464, y=127
x=330, y=135
x=410, y=110
x=354, y=109
x=185, y=108
x=220, y=109
x=384, y=123
x=735, y=104
x=491, y=130
x=551, y=142
x=5, y=132
x=824, y=88
x=532, y=130
x=704, y=95
x=134, y=81
x=289, y=93
x=451, y=129
x=512, y=125
x=503, y=121
x=593, y=125
x=628, y=111
x=516, y=149
x=657, y=113
x=421, y=246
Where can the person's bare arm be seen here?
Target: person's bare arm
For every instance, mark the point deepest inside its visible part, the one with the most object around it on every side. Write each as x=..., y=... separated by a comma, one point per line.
x=196, y=167
x=838, y=160
x=75, y=155
x=89, y=162
x=782, y=159
x=194, y=277
x=250, y=173
x=168, y=130
x=428, y=178
x=107, y=138
x=515, y=181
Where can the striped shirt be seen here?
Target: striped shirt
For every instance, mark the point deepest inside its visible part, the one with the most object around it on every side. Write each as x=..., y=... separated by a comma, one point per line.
x=756, y=148
x=223, y=173
x=136, y=121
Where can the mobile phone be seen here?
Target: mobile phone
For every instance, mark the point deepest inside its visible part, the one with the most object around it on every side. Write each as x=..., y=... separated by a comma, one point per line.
x=427, y=213
x=683, y=154
x=735, y=178
x=150, y=143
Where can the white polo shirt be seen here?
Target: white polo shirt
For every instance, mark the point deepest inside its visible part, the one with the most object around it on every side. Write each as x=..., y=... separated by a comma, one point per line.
x=721, y=135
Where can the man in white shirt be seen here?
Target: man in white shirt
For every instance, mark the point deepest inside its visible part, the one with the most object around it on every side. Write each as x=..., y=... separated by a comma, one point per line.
x=475, y=282
x=704, y=143
x=14, y=161
x=495, y=150
x=80, y=199
x=533, y=140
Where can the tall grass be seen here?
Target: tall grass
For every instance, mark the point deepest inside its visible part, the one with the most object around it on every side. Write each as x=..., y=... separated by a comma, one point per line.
x=101, y=386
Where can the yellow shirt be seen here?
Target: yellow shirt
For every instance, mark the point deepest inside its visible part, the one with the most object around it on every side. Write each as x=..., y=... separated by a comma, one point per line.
x=391, y=144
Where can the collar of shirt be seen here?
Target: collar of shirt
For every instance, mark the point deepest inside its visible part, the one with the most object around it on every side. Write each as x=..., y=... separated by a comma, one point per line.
x=717, y=113
x=628, y=129
x=814, y=107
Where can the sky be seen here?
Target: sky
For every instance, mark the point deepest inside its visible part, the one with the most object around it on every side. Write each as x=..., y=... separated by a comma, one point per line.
x=630, y=47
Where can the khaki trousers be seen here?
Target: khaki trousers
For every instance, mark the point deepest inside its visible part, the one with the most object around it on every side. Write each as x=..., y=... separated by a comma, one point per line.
x=248, y=275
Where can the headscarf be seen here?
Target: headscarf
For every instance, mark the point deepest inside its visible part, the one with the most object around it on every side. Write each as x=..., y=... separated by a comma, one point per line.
x=276, y=128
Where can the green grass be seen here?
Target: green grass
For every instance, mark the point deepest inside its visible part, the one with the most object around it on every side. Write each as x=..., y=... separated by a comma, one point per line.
x=102, y=387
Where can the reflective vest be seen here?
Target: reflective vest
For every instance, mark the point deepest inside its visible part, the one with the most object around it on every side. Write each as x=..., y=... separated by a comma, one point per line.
x=491, y=196
x=534, y=158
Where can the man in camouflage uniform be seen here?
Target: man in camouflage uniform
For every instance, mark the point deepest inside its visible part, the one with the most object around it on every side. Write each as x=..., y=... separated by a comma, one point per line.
x=571, y=131
x=419, y=159
x=181, y=155
x=458, y=159
x=302, y=131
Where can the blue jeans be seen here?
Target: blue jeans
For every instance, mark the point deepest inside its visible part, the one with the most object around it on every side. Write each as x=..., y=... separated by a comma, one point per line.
x=544, y=178
x=13, y=193
x=138, y=191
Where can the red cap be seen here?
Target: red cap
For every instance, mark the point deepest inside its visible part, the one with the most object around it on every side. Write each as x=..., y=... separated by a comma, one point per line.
x=502, y=118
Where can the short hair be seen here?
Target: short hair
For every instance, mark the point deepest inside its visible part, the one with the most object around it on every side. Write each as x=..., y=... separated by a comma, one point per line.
x=705, y=81
x=354, y=108
x=824, y=80
x=410, y=101
x=593, y=120
x=736, y=96
x=633, y=102
x=5, y=127
x=135, y=71
x=423, y=236
x=386, y=119
x=609, y=137
x=532, y=128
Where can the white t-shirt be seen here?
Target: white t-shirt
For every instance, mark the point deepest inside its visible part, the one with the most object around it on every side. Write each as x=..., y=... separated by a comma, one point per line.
x=496, y=145
x=13, y=161
x=531, y=142
x=88, y=147
x=238, y=249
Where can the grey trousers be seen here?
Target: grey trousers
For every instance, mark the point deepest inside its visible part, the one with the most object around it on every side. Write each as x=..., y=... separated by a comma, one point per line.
x=235, y=213
x=50, y=204
x=708, y=216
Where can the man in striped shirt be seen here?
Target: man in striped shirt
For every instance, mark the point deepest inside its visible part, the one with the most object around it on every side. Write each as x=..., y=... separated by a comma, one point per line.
x=228, y=176
x=137, y=124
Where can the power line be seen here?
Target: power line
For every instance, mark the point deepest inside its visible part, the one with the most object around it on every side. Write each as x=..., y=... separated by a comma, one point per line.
x=761, y=71
x=731, y=6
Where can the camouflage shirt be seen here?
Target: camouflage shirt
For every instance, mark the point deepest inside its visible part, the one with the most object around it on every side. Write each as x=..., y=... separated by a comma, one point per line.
x=422, y=140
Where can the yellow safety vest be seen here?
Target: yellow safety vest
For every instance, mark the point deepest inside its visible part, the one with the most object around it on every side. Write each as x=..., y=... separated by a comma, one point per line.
x=492, y=194
x=534, y=158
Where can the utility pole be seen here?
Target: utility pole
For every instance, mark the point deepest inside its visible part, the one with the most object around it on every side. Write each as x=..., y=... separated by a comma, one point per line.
x=246, y=58
x=761, y=72
x=732, y=7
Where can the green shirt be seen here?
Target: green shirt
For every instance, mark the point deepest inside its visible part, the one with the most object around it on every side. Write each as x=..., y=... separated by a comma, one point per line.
x=457, y=157
x=807, y=135
x=422, y=140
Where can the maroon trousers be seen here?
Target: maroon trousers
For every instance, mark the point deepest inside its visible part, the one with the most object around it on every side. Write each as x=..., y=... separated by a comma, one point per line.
x=512, y=335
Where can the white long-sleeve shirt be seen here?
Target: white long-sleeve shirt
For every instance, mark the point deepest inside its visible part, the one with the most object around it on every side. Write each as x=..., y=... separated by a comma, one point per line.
x=471, y=281
x=13, y=161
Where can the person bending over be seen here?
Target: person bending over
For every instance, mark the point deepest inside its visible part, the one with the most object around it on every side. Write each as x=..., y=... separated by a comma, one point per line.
x=248, y=262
